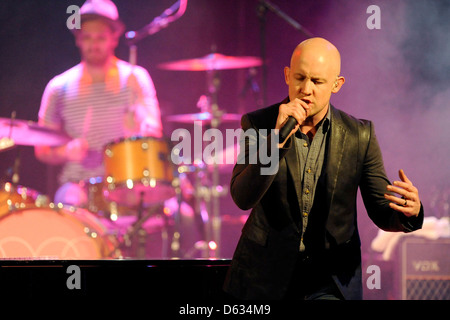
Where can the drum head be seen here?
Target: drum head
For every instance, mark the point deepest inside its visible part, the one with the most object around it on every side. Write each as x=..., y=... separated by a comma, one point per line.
x=46, y=233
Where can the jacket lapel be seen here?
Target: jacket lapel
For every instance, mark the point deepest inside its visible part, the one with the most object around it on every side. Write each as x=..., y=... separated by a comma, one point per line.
x=336, y=149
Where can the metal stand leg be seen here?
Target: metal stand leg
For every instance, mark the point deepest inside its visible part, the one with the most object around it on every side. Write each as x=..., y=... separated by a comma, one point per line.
x=175, y=244
x=136, y=232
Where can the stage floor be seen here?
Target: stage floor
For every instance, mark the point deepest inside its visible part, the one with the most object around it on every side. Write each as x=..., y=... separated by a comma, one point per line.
x=115, y=279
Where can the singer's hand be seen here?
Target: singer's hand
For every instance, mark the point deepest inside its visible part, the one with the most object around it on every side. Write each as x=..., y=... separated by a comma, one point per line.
x=408, y=201
x=295, y=108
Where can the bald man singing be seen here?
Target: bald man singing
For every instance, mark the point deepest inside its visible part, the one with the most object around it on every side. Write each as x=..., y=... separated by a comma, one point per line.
x=301, y=239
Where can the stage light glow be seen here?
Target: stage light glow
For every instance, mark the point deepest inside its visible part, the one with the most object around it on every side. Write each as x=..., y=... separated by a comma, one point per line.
x=130, y=184
x=212, y=245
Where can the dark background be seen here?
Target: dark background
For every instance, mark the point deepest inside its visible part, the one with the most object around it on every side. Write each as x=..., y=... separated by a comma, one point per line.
x=397, y=76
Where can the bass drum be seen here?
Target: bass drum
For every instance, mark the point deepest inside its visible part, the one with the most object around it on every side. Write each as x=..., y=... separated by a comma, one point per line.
x=61, y=233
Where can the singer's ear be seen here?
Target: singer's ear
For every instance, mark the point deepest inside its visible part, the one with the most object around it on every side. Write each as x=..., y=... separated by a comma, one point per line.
x=338, y=84
x=286, y=74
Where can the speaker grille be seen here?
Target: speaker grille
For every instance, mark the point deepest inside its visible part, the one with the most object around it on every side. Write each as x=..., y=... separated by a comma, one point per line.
x=427, y=289
x=425, y=272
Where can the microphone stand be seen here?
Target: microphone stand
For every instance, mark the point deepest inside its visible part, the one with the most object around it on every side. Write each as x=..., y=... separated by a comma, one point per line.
x=262, y=10
x=159, y=23
x=285, y=17
x=263, y=6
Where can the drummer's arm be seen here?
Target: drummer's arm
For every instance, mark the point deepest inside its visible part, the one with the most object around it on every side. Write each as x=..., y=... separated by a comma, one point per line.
x=149, y=120
x=50, y=155
x=74, y=150
x=47, y=154
x=144, y=117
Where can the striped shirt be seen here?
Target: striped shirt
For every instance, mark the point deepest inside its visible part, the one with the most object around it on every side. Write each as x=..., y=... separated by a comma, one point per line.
x=96, y=111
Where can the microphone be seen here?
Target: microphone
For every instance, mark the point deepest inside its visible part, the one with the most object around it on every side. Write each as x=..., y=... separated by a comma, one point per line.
x=287, y=128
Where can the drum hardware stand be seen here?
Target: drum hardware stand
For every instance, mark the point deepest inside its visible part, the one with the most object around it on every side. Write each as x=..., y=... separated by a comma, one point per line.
x=207, y=189
x=216, y=190
x=207, y=192
x=200, y=212
x=140, y=231
x=7, y=142
x=202, y=201
x=14, y=173
x=175, y=244
x=15, y=170
x=136, y=229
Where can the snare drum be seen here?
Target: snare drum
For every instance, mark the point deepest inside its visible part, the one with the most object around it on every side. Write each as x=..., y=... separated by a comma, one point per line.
x=136, y=169
x=54, y=233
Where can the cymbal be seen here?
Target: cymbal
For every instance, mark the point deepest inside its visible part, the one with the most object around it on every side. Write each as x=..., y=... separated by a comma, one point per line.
x=212, y=61
x=29, y=133
x=203, y=116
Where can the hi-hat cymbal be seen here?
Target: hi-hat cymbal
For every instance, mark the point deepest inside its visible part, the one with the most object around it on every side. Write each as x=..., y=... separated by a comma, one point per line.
x=212, y=61
x=203, y=116
x=29, y=133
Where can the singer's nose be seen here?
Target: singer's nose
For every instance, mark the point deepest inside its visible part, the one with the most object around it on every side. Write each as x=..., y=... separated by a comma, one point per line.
x=305, y=87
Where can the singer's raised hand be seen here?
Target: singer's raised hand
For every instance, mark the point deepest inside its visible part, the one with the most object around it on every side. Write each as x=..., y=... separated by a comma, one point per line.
x=295, y=108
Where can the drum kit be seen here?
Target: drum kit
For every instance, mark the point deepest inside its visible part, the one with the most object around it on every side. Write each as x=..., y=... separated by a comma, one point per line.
x=140, y=186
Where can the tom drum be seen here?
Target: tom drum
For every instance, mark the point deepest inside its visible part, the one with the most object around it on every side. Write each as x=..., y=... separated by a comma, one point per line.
x=138, y=169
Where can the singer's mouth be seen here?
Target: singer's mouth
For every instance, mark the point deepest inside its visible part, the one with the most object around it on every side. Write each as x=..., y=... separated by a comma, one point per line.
x=308, y=102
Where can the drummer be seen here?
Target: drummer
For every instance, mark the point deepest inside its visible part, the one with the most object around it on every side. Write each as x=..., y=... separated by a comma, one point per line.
x=97, y=101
